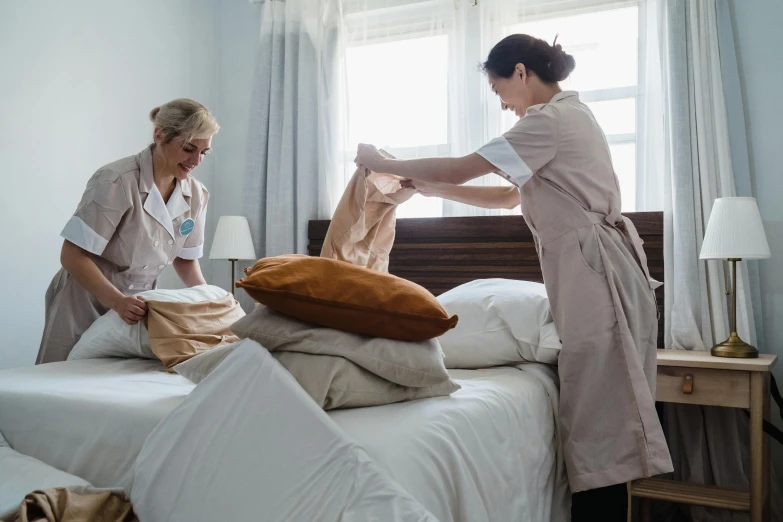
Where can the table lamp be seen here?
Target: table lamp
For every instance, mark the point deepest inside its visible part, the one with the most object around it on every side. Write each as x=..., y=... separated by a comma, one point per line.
x=232, y=241
x=735, y=232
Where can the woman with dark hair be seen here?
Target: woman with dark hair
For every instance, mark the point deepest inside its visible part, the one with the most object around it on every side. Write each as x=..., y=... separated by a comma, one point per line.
x=594, y=266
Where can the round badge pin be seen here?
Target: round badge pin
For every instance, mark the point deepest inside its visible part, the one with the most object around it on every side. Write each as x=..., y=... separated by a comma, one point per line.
x=186, y=227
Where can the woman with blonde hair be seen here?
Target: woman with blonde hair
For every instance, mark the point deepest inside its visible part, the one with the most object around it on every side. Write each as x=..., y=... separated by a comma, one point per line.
x=137, y=215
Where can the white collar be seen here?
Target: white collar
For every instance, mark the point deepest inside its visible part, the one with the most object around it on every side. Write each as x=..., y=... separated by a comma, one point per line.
x=166, y=213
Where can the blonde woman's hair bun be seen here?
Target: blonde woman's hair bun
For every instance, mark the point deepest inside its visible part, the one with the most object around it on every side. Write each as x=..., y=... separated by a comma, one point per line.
x=184, y=118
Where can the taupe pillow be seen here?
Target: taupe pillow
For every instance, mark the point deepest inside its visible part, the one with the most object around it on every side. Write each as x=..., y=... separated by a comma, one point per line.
x=413, y=364
x=332, y=382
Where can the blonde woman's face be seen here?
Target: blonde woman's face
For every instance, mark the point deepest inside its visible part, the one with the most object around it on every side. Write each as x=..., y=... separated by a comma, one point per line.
x=183, y=156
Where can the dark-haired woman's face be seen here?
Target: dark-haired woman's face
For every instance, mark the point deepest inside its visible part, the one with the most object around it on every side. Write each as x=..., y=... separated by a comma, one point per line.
x=515, y=93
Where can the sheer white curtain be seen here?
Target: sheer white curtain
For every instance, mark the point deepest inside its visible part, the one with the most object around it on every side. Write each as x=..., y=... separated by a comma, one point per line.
x=686, y=139
x=293, y=132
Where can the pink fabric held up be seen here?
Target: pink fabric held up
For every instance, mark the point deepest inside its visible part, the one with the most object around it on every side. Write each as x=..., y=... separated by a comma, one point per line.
x=363, y=226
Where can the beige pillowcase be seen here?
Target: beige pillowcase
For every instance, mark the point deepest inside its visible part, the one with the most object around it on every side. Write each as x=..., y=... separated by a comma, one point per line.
x=413, y=364
x=332, y=382
x=362, y=228
x=179, y=331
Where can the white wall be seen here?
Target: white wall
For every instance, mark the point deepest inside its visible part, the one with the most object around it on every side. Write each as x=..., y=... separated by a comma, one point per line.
x=759, y=42
x=78, y=80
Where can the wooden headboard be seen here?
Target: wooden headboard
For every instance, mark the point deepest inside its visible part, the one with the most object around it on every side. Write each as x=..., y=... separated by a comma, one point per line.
x=442, y=253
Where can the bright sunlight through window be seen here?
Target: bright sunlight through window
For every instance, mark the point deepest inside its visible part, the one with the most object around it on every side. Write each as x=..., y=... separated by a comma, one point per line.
x=398, y=91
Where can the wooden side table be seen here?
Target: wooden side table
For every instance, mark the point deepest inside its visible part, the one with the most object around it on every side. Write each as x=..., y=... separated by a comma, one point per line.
x=687, y=377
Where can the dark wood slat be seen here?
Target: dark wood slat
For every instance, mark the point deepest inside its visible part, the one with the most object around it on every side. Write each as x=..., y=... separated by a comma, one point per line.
x=530, y=245
x=694, y=494
x=481, y=270
x=442, y=253
x=483, y=228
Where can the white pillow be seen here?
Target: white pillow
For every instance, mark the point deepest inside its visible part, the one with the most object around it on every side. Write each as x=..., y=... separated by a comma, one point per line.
x=501, y=322
x=110, y=336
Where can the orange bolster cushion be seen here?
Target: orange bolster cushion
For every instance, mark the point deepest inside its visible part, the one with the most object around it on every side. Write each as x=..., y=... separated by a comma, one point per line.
x=338, y=295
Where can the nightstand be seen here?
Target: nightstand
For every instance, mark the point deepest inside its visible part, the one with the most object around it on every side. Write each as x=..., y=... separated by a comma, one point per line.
x=687, y=377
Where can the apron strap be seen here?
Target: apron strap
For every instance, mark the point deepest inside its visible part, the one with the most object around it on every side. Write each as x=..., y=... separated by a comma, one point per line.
x=626, y=227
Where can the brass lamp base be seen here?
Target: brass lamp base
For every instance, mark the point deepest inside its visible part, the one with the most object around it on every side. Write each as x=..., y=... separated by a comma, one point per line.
x=734, y=347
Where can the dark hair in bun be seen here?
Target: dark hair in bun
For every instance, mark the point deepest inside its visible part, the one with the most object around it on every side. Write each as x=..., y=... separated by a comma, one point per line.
x=549, y=62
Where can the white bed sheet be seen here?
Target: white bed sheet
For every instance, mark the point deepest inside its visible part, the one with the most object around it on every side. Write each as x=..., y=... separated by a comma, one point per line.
x=249, y=443
x=488, y=452
x=87, y=417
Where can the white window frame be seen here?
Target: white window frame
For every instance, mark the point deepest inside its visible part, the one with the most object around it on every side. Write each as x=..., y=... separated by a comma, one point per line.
x=618, y=93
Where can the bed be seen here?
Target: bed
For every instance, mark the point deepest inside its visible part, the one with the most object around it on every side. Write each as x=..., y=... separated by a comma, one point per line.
x=488, y=452
x=459, y=456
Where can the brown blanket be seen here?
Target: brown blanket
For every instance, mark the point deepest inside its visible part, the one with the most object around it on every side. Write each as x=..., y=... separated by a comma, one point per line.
x=363, y=226
x=64, y=505
x=179, y=331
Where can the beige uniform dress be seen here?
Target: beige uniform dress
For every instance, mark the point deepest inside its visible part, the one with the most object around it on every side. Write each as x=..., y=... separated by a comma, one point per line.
x=132, y=235
x=600, y=291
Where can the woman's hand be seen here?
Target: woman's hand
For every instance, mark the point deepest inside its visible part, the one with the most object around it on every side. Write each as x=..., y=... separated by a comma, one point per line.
x=425, y=188
x=369, y=157
x=80, y=265
x=131, y=309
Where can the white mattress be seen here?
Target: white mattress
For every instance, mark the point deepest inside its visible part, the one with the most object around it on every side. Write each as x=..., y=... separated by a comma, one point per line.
x=488, y=452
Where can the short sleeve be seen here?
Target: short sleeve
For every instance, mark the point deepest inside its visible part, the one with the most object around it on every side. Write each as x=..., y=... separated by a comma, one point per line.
x=525, y=148
x=100, y=211
x=194, y=244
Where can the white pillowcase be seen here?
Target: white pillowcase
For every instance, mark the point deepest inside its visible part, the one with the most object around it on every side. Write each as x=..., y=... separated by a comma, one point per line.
x=501, y=322
x=110, y=336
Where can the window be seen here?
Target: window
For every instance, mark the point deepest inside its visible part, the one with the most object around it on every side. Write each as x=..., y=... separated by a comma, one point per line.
x=397, y=102
x=415, y=90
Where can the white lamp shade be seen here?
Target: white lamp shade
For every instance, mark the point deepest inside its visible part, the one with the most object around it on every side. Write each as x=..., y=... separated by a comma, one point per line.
x=232, y=239
x=735, y=231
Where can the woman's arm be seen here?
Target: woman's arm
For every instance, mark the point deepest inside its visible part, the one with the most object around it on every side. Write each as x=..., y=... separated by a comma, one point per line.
x=80, y=266
x=189, y=270
x=454, y=171
x=484, y=197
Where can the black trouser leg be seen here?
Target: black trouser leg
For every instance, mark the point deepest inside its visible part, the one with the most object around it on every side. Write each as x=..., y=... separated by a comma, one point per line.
x=609, y=504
